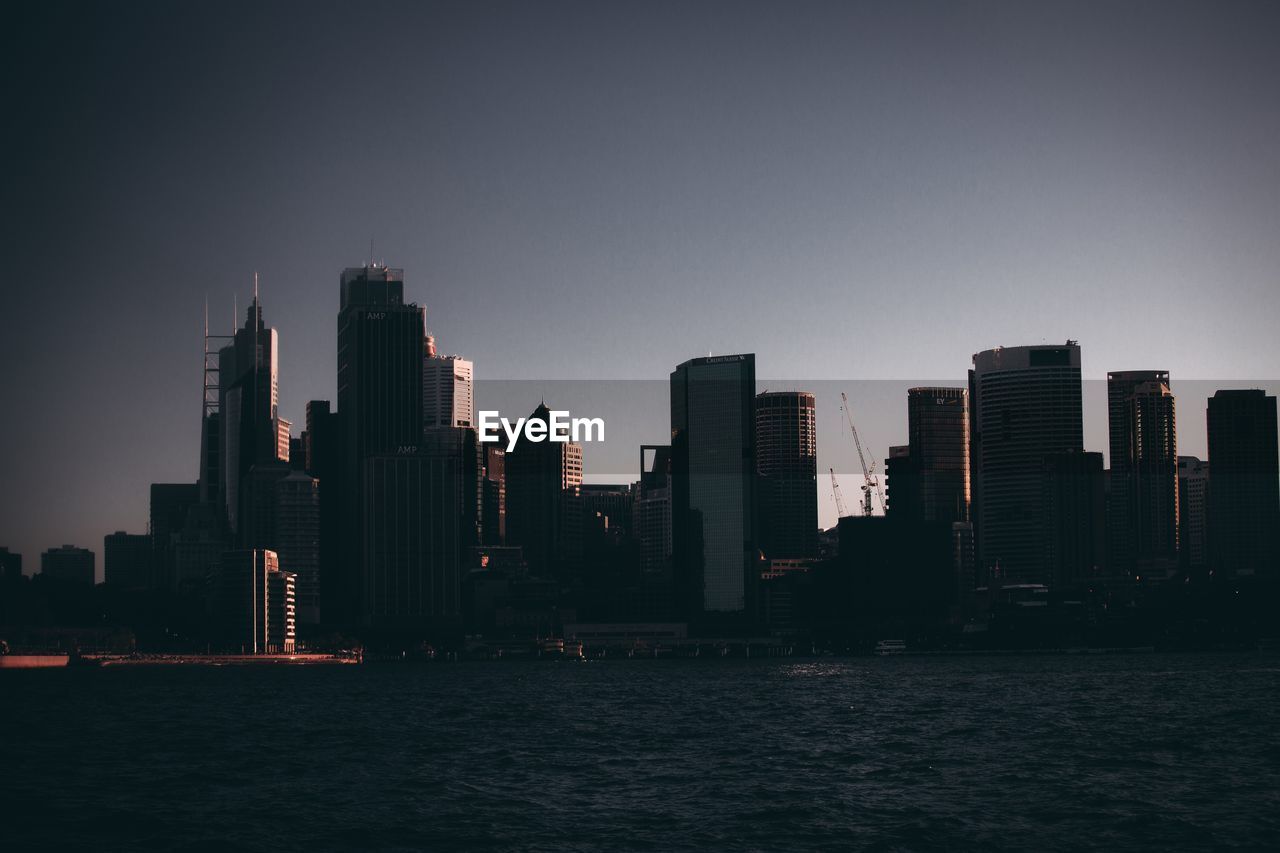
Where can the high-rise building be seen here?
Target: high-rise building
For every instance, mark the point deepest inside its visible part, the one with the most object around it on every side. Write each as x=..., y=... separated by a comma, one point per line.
x=380, y=356
x=1244, y=506
x=323, y=448
x=462, y=445
x=254, y=603
x=1193, y=515
x=901, y=486
x=69, y=564
x=713, y=473
x=543, y=515
x=1025, y=404
x=126, y=560
x=446, y=389
x=1075, y=517
x=1142, y=515
x=938, y=438
x=296, y=539
x=249, y=394
x=787, y=461
x=411, y=557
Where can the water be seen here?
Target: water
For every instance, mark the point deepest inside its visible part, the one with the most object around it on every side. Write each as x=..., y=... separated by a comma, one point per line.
x=1114, y=752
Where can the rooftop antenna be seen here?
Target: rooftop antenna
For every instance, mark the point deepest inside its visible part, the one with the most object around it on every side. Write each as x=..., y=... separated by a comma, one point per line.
x=371, y=251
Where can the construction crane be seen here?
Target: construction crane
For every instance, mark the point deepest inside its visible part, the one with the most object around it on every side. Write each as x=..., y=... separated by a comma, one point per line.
x=869, y=482
x=841, y=512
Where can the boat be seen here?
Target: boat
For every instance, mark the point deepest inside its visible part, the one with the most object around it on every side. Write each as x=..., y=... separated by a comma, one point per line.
x=891, y=647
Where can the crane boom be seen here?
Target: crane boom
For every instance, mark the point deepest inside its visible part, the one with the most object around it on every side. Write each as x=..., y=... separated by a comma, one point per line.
x=835, y=488
x=869, y=482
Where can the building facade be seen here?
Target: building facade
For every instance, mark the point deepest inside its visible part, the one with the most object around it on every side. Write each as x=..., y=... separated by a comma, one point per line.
x=787, y=463
x=1142, y=518
x=1244, y=507
x=713, y=473
x=1025, y=404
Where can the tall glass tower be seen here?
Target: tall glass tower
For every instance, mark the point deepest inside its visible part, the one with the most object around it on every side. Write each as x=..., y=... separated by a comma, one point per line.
x=713, y=471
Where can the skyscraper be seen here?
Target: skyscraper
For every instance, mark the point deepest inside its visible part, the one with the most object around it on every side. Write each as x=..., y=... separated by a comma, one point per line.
x=446, y=389
x=249, y=394
x=254, y=603
x=1193, y=515
x=938, y=435
x=1025, y=404
x=1244, y=506
x=787, y=462
x=1142, y=519
x=713, y=472
x=380, y=355
x=652, y=522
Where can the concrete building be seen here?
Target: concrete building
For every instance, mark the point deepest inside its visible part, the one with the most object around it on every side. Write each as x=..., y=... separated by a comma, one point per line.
x=543, y=512
x=1074, y=507
x=786, y=445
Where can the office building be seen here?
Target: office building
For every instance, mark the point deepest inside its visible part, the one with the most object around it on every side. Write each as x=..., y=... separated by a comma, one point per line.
x=787, y=463
x=938, y=438
x=380, y=357
x=446, y=389
x=1244, y=506
x=1074, y=505
x=126, y=560
x=543, y=513
x=170, y=503
x=713, y=473
x=69, y=564
x=652, y=522
x=248, y=404
x=1193, y=516
x=1025, y=404
x=1142, y=516
x=411, y=556
x=254, y=603
x=296, y=539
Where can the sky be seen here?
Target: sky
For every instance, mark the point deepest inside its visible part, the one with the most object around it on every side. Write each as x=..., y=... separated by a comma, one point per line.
x=601, y=190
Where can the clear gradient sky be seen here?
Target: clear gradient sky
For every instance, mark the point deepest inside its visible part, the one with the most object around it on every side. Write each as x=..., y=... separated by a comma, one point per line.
x=604, y=189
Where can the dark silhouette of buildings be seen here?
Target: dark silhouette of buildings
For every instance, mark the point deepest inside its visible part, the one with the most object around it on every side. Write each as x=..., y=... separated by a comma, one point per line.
x=1142, y=518
x=10, y=565
x=69, y=564
x=295, y=528
x=652, y=529
x=1074, y=503
x=254, y=601
x=543, y=511
x=170, y=504
x=1244, y=507
x=928, y=479
x=126, y=560
x=713, y=474
x=787, y=462
x=1025, y=404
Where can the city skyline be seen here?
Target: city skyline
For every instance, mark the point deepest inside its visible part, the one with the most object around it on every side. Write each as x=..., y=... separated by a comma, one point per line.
x=966, y=163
